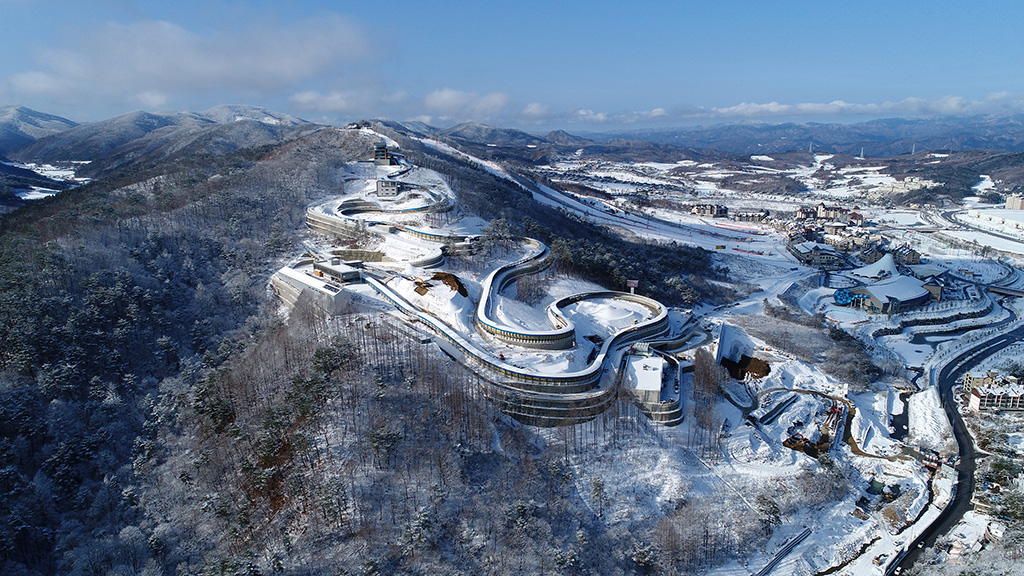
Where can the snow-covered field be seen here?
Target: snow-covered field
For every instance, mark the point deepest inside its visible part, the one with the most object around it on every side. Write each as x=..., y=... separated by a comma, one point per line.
x=62, y=171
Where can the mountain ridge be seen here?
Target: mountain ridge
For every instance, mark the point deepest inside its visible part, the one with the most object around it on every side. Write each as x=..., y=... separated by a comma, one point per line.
x=124, y=138
x=20, y=125
x=881, y=137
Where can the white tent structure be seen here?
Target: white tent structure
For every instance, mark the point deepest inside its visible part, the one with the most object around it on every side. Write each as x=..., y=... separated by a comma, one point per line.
x=885, y=267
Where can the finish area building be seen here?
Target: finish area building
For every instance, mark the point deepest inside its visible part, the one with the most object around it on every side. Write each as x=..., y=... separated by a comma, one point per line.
x=890, y=296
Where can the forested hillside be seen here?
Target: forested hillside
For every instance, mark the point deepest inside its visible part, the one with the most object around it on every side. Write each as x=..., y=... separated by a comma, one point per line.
x=109, y=289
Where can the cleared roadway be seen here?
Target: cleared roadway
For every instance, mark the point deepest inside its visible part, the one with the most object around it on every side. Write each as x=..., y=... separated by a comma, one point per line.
x=964, y=487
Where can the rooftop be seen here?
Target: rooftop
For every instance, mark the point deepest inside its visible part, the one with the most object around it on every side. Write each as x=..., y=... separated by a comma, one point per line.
x=807, y=247
x=902, y=288
x=885, y=267
x=644, y=372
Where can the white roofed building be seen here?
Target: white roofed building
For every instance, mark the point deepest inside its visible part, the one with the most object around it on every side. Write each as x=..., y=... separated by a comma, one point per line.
x=884, y=267
x=645, y=375
x=816, y=254
x=893, y=295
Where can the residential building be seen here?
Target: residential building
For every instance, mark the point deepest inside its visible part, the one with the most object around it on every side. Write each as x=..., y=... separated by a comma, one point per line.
x=815, y=254
x=872, y=253
x=758, y=216
x=906, y=255
x=989, y=378
x=806, y=213
x=824, y=212
x=842, y=243
x=711, y=210
x=996, y=398
x=835, y=228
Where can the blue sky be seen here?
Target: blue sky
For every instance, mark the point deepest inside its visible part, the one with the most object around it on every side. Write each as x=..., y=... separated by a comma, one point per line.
x=580, y=66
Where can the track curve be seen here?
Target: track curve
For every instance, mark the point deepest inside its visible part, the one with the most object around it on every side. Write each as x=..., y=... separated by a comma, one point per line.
x=532, y=396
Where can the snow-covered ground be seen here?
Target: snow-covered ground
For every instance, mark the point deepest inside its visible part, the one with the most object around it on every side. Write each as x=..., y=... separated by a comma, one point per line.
x=928, y=425
x=751, y=457
x=760, y=259
x=62, y=171
x=36, y=193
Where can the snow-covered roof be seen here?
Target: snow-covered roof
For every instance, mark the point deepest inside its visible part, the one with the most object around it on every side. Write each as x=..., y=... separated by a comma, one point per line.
x=734, y=343
x=902, y=288
x=645, y=372
x=808, y=247
x=885, y=267
x=1010, y=391
x=306, y=280
x=926, y=270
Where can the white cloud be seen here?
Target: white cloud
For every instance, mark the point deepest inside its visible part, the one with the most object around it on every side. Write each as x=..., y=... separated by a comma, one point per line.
x=535, y=110
x=490, y=104
x=641, y=116
x=945, y=106
x=459, y=105
x=447, y=101
x=152, y=98
x=152, y=62
x=952, y=105
x=586, y=115
x=312, y=100
x=34, y=83
x=348, y=101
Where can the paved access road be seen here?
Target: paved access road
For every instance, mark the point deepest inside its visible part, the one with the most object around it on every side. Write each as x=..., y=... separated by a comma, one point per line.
x=964, y=488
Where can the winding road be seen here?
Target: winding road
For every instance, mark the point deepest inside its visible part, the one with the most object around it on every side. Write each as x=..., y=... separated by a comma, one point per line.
x=946, y=378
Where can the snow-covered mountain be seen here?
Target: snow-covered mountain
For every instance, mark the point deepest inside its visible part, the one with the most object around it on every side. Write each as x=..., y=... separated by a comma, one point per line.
x=115, y=141
x=235, y=113
x=92, y=140
x=20, y=125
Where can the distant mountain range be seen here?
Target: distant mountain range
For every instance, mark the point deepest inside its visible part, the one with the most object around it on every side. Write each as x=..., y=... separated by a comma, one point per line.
x=159, y=136
x=28, y=135
x=20, y=125
x=877, y=138
x=888, y=137
x=511, y=144
x=146, y=139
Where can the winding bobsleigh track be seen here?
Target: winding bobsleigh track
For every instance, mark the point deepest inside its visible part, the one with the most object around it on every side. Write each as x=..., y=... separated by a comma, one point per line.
x=534, y=397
